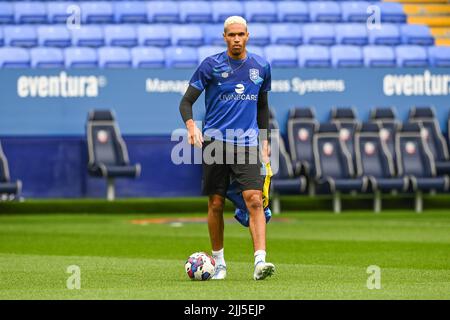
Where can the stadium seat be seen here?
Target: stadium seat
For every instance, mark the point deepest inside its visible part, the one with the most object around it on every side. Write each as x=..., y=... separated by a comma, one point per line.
x=80, y=57
x=379, y=56
x=319, y=34
x=20, y=36
x=6, y=13
x=207, y=51
x=97, y=12
x=345, y=56
x=163, y=11
x=213, y=34
x=411, y=56
x=2, y=38
x=334, y=167
x=147, y=57
x=292, y=11
x=130, y=12
x=8, y=189
x=186, y=35
x=259, y=34
x=286, y=33
x=313, y=56
x=439, y=56
x=107, y=151
x=58, y=11
x=54, y=36
x=415, y=161
x=355, y=11
x=388, y=34
x=281, y=56
x=30, y=12
x=224, y=9
x=14, y=58
x=324, y=11
x=195, y=11
x=416, y=35
x=181, y=57
x=154, y=35
x=43, y=57
x=88, y=36
x=432, y=134
x=348, y=125
x=374, y=161
x=392, y=12
x=351, y=34
x=260, y=11
x=259, y=51
x=114, y=57
x=120, y=35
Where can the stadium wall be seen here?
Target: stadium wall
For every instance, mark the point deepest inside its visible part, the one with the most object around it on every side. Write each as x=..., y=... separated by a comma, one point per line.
x=43, y=115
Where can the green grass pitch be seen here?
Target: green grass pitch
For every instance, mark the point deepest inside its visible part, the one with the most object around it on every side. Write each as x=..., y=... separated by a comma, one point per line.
x=318, y=255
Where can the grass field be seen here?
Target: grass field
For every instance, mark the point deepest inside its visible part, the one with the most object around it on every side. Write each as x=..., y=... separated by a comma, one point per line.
x=318, y=255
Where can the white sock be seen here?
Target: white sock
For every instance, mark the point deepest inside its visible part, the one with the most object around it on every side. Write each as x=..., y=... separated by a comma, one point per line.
x=260, y=255
x=219, y=257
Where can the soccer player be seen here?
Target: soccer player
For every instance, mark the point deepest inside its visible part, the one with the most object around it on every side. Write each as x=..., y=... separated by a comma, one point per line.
x=236, y=83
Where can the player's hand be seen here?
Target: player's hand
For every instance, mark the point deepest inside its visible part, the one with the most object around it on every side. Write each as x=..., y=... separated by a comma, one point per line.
x=265, y=151
x=195, y=136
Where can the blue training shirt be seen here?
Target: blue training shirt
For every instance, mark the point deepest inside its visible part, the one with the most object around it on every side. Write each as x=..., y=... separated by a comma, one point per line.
x=231, y=95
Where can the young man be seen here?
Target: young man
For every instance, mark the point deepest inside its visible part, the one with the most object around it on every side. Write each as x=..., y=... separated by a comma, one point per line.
x=236, y=83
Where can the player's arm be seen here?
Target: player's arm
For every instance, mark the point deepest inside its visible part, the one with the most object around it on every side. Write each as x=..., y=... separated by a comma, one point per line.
x=188, y=100
x=263, y=123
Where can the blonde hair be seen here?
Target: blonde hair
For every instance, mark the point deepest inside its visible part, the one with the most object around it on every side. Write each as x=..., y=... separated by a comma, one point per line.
x=234, y=19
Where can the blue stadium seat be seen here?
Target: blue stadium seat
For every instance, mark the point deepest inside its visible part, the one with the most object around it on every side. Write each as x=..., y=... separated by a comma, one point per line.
x=256, y=50
x=259, y=34
x=260, y=11
x=224, y=9
x=286, y=33
x=319, y=34
x=207, y=51
x=388, y=34
x=355, y=11
x=54, y=36
x=30, y=12
x=154, y=35
x=213, y=34
x=314, y=56
x=14, y=58
x=379, y=56
x=347, y=124
x=148, y=57
x=2, y=38
x=439, y=56
x=281, y=56
x=195, y=11
x=20, y=36
x=8, y=189
x=345, y=56
x=416, y=35
x=88, y=36
x=411, y=56
x=107, y=151
x=335, y=172
x=80, y=57
x=114, y=57
x=292, y=11
x=43, y=57
x=163, y=11
x=6, y=13
x=324, y=11
x=120, y=35
x=130, y=12
x=97, y=12
x=351, y=34
x=58, y=11
x=187, y=35
x=181, y=57
x=392, y=12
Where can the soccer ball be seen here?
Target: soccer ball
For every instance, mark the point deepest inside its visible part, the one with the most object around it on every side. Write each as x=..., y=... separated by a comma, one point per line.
x=200, y=266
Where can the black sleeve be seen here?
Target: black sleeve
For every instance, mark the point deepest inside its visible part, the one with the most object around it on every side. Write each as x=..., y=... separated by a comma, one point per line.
x=187, y=101
x=263, y=112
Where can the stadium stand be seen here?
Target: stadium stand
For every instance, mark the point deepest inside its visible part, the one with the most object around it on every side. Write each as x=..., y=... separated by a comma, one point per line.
x=80, y=57
x=347, y=124
x=8, y=189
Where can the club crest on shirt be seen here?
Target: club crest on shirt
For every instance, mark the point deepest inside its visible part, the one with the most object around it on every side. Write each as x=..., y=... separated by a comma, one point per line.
x=254, y=74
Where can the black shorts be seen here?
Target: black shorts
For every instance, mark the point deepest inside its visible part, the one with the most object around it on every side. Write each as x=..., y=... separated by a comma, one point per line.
x=224, y=162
